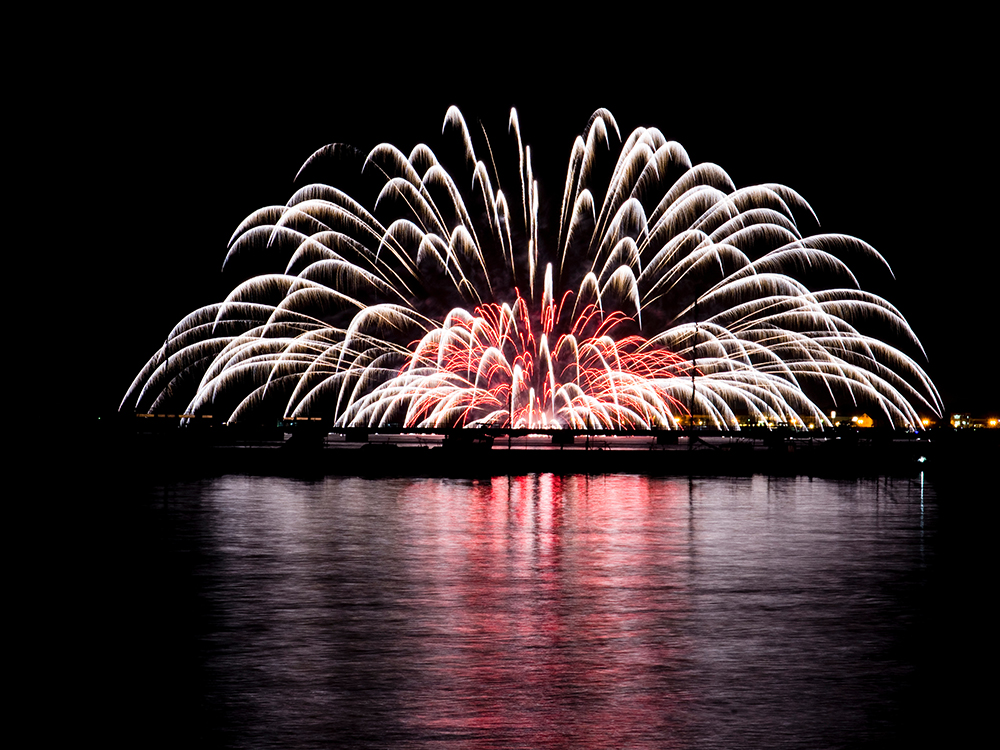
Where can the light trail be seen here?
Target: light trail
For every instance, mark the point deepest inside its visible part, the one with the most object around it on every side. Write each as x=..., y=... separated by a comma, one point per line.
x=665, y=291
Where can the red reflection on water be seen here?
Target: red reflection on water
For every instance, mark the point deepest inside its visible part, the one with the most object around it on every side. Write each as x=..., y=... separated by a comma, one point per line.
x=567, y=598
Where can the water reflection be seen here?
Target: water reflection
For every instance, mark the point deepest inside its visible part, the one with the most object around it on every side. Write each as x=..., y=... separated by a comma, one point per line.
x=546, y=611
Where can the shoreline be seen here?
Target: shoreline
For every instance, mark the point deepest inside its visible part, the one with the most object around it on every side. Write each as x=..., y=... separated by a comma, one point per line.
x=464, y=454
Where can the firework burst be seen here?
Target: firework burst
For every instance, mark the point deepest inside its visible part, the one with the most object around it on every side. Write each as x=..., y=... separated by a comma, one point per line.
x=660, y=290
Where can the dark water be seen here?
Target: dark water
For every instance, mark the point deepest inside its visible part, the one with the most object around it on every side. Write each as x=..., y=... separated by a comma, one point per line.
x=537, y=611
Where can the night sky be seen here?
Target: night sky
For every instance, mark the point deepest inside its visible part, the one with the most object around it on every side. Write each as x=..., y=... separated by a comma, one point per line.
x=888, y=140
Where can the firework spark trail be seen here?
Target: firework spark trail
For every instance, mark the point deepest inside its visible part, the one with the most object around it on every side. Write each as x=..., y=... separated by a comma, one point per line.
x=596, y=327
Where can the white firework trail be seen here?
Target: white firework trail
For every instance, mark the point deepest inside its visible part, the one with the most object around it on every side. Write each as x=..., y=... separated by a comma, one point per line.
x=666, y=291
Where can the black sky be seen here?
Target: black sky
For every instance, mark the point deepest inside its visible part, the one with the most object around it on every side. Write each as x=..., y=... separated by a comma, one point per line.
x=885, y=132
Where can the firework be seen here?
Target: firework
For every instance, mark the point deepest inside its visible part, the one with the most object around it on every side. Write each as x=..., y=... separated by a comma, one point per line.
x=659, y=290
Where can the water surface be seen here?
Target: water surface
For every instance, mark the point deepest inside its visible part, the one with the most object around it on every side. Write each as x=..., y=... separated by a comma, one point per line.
x=538, y=611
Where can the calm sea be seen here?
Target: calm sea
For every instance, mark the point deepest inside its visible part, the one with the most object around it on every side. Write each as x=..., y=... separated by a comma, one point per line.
x=536, y=611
